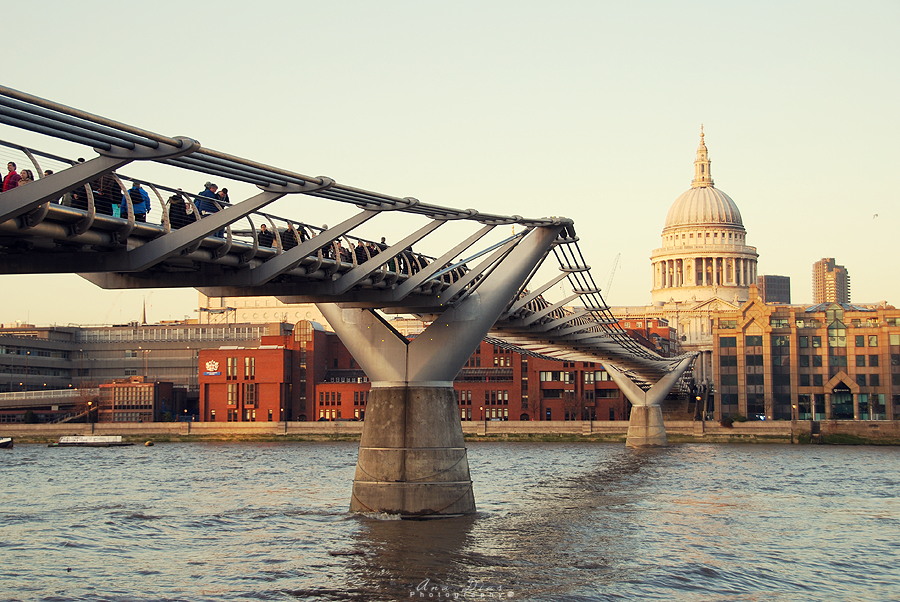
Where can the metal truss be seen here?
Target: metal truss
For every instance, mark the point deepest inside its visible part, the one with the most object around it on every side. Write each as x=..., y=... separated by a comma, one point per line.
x=221, y=254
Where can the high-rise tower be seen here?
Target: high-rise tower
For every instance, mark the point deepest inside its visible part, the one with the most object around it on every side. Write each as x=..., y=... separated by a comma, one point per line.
x=831, y=282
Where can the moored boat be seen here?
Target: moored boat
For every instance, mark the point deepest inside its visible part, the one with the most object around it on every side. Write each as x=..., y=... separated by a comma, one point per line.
x=90, y=441
x=6, y=442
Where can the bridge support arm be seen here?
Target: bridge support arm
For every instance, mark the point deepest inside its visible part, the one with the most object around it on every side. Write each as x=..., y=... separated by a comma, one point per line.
x=646, y=426
x=412, y=455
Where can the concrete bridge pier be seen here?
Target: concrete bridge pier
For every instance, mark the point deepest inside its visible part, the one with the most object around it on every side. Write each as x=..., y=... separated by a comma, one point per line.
x=412, y=455
x=646, y=427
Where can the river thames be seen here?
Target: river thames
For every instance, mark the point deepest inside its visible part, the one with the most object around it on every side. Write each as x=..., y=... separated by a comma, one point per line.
x=555, y=522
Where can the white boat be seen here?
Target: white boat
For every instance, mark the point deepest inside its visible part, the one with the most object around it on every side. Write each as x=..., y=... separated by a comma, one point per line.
x=90, y=441
x=6, y=442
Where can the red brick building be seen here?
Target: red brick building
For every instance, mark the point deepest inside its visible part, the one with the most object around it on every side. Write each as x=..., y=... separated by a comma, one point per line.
x=310, y=375
x=653, y=333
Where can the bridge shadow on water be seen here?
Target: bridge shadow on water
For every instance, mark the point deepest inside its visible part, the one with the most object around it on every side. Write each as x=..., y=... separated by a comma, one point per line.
x=554, y=532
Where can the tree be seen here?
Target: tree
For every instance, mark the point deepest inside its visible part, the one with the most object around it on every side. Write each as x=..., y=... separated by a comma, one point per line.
x=573, y=405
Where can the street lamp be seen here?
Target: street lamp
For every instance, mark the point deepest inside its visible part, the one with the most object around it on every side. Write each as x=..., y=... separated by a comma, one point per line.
x=482, y=413
x=90, y=403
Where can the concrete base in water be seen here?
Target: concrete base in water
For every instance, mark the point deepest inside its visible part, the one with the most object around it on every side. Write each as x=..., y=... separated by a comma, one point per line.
x=646, y=427
x=412, y=455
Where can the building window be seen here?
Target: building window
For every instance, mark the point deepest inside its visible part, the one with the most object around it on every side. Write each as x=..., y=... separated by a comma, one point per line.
x=270, y=415
x=839, y=361
x=874, y=380
x=781, y=341
x=873, y=361
x=873, y=340
x=804, y=380
x=860, y=361
x=860, y=340
x=816, y=341
x=754, y=341
x=861, y=380
x=250, y=368
x=754, y=360
x=728, y=341
x=230, y=368
x=231, y=394
x=250, y=394
x=837, y=336
x=804, y=361
x=212, y=415
x=804, y=342
x=817, y=361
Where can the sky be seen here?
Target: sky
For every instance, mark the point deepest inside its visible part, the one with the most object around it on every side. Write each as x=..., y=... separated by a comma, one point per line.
x=589, y=110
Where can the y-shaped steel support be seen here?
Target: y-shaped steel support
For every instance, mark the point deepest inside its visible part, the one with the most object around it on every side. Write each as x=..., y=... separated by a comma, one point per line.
x=412, y=456
x=646, y=427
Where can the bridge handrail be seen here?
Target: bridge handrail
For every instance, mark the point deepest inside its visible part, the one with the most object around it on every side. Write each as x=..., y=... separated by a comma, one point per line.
x=54, y=119
x=52, y=394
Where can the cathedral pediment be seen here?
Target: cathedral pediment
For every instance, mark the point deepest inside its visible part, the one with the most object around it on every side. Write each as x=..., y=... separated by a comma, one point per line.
x=715, y=304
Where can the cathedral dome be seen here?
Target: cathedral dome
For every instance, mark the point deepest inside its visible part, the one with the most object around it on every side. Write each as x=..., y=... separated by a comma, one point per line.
x=703, y=206
x=704, y=253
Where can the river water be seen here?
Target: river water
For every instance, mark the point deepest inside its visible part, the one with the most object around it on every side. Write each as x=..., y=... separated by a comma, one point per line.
x=555, y=522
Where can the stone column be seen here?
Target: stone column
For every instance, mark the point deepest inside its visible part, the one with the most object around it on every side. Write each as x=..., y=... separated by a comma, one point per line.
x=412, y=454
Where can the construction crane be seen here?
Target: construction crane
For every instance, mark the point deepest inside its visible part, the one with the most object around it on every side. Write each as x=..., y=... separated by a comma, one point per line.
x=612, y=273
x=111, y=307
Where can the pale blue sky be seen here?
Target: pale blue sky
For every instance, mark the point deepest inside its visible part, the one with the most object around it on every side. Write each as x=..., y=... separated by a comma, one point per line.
x=590, y=110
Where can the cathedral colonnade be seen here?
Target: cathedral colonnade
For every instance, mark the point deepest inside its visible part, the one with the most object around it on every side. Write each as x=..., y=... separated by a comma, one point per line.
x=704, y=271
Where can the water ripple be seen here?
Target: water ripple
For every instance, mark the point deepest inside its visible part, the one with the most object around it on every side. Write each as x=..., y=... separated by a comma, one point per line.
x=555, y=522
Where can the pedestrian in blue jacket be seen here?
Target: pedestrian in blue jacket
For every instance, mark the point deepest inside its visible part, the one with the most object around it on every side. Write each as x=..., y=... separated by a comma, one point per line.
x=140, y=201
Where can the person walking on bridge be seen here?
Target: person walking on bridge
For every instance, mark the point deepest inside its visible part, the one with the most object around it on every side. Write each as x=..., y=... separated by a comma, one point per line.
x=140, y=202
x=266, y=238
x=180, y=213
x=205, y=206
x=106, y=194
x=12, y=178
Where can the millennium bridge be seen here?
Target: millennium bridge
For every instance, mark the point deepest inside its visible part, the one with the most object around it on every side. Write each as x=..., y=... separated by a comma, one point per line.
x=412, y=455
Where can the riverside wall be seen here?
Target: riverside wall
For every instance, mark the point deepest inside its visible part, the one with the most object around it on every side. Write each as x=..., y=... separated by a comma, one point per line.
x=829, y=431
